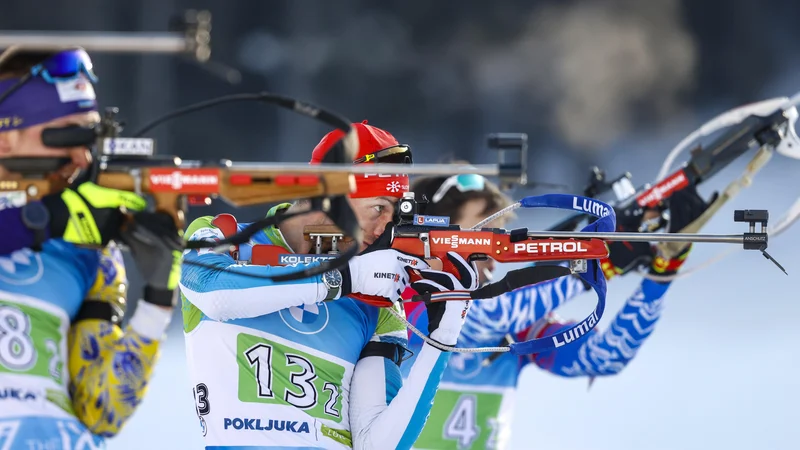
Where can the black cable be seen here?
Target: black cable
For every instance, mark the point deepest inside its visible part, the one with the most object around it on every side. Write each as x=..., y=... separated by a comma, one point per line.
x=307, y=109
x=337, y=152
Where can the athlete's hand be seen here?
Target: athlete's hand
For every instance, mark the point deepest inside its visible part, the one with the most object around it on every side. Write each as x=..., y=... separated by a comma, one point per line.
x=445, y=318
x=156, y=246
x=379, y=273
x=624, y=256
x=90, y=214
x=685, y=206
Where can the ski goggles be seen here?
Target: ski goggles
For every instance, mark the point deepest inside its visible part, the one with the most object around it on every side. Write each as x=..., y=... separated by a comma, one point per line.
x=464, y=183
x=60, y=86
x=67, y=65
x=398, y=154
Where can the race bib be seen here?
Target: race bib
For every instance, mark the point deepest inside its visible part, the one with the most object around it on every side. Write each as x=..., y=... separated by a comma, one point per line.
x=462, y=420
x=47, y=433
x=270, y=372
x=31, y=342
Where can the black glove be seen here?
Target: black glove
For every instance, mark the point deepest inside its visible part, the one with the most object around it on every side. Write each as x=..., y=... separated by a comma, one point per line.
x=446, y=318
x=685, y=206
x=156, y=245
x=624, y=256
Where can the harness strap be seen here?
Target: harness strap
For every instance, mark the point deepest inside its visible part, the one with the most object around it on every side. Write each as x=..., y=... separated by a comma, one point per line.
x=97, y=310
x=393, y=352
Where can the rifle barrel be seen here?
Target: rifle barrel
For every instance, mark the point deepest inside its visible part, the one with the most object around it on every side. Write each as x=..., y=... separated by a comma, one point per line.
x=98, y=41
x=412, y=169
x=644, y=237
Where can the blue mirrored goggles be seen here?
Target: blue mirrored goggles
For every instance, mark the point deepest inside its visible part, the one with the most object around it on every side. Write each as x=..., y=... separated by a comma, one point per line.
x=63, y=66
x=464, y=183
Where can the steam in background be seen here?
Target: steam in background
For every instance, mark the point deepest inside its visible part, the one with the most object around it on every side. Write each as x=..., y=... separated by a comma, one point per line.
x=590, y=71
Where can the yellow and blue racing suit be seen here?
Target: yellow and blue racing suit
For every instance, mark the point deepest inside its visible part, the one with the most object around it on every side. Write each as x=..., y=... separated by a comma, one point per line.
x=69, y=376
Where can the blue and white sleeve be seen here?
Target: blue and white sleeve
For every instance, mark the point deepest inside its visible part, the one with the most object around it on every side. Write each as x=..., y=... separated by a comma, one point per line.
x=224, y=290
x=608, y=352
x=387, y=411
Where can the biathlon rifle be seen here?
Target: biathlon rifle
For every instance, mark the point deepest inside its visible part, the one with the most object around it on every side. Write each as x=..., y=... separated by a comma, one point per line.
x=761, y=128
x=174, y=184
x=432, y=237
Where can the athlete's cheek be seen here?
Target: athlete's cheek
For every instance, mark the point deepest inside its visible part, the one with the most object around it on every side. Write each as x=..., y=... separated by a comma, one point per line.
x=381, y=223
x=369, y=221
x=372, y=228
x=366, y=215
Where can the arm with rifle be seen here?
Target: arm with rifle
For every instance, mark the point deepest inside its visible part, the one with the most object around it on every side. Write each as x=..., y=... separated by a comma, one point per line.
x=209, y=277
x=767, y=126
x=86, y=215
x=607, y=352
x=672, y=202
x=433, y=242
x=110, y=365
x=63, y=286
x=509, y=317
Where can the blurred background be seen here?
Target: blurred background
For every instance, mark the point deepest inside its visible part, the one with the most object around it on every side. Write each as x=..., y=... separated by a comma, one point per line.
x=613, y=83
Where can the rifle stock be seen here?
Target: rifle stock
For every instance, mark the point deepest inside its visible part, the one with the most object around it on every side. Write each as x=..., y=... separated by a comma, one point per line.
x=169, y=187
x=504, y=246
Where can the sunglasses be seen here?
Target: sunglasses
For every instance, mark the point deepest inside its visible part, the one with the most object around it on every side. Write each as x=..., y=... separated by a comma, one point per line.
x=464, y=183
x=63, y=66
x=399, y=154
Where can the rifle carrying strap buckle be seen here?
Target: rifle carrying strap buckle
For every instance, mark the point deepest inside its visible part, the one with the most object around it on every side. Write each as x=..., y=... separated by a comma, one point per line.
x=391, y=351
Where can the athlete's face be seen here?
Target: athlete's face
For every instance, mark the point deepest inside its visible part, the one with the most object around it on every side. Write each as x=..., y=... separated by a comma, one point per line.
x=373, y=214
x=470, y=214
x=27, y=142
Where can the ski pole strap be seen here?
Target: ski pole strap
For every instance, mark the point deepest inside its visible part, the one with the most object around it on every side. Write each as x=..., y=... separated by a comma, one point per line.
x=606, y=223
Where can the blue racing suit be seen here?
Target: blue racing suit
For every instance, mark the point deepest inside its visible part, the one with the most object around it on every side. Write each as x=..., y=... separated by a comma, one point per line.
x=474, y=404
x=273, y=366
x=69, y=376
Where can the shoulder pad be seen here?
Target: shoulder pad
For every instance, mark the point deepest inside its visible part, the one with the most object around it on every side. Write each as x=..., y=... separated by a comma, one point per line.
x=227, y=224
